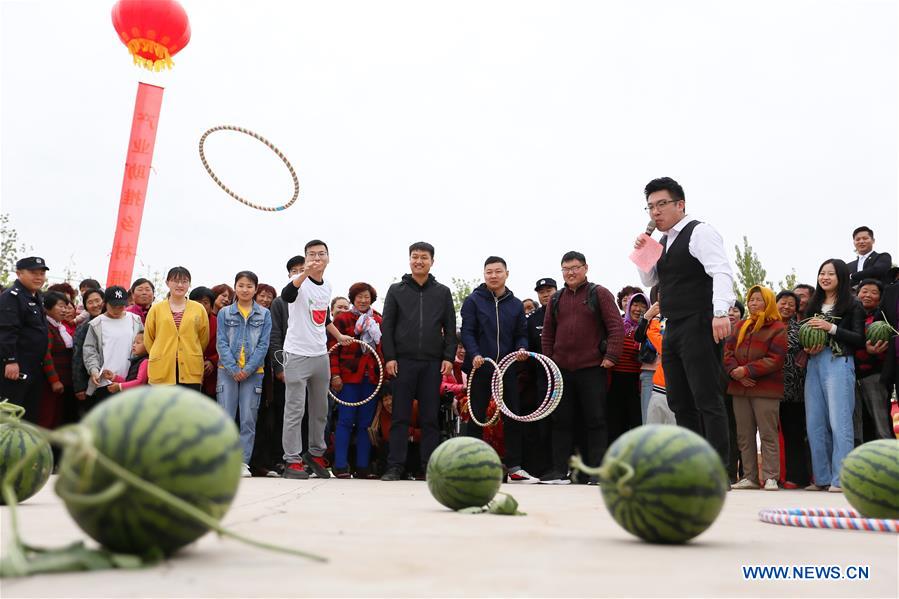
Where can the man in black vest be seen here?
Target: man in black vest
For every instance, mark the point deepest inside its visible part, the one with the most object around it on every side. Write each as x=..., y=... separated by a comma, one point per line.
x=23, y=336
x=869, y=264
x=696, y=289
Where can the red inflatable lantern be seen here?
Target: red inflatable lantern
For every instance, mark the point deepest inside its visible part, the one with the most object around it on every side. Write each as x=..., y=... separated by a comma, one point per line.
x=153, y=30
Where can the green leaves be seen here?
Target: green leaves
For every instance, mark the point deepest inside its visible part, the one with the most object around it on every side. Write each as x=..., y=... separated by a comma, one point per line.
x=24, y=560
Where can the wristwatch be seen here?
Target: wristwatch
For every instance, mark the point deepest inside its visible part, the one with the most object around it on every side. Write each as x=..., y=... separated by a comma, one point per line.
x=720, y=313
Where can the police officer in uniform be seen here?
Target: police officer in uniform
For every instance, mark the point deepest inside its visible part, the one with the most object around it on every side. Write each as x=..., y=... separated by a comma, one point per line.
x=23, y=336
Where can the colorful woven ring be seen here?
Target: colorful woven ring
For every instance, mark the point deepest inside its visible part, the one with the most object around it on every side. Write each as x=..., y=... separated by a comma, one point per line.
x=554, y=390
x=493, y=419
x=834, y=518
x=380, y=378
x=293, y=174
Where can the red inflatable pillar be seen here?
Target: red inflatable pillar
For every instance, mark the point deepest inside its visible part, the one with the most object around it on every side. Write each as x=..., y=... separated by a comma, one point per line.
x=134, y=184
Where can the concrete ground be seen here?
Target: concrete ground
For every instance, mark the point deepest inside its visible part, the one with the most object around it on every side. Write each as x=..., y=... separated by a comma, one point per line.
x=394, y=540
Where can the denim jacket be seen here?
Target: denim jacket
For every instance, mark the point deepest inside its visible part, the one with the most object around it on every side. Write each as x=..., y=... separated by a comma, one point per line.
x=253, y=334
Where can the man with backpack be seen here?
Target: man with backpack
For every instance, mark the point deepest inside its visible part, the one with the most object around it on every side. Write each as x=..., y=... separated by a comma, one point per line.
x=584, y=335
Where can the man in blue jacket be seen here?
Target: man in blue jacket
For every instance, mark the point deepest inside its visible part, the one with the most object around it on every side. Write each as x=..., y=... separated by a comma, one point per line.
x=493, y=326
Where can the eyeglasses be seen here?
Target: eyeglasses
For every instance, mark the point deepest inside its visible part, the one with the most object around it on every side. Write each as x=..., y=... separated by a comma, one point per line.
x=316, y=254
x=660, y=204
x=568, y=269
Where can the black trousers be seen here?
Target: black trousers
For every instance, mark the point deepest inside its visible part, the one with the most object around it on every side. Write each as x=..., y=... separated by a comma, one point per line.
x=693, y=371
x=796, y=452
x=536, y=437
x=26, y=393
x=623, y=405
x=583, y=400
x=734, y=467
x=415, y=379
x=480, y=398
x=267, y=449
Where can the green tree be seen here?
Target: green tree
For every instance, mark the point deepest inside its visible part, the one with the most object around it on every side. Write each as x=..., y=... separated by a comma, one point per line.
x=749, y=270
x=462, y=288
x=10, y=250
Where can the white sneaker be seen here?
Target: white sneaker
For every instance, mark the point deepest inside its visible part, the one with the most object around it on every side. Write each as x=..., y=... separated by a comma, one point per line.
x=745, y=484
x=771, y=485
x=521, y=476
x=245, y=472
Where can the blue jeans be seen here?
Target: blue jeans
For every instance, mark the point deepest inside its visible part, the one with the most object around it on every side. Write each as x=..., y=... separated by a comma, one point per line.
x=829, y=404
x=645, y=391
x=230, y=394
x=361, y=417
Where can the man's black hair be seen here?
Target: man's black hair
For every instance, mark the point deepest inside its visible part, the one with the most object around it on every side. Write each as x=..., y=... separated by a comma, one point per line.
x=422, y=246
x=665, y=184
x=495, y=260
x=314, y=243
x=573, y=255
x=805, y=286
x=301, y=260
x=863, y=230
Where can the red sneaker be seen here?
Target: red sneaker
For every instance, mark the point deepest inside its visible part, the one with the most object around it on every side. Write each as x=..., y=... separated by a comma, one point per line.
x=318, y=465
x=789, y=485
x=295, y=470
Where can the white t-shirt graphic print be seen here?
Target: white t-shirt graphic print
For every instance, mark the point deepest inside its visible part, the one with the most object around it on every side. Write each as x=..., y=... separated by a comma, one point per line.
x=307, y=317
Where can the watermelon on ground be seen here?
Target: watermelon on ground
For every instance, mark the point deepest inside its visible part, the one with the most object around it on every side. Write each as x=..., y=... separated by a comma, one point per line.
x=16, y=439
x=869, y=477
x=170, y=436
x=677, y=488
x=464, y=472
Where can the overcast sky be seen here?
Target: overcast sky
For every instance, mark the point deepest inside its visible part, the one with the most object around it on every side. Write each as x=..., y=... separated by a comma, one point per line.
x=518, y=128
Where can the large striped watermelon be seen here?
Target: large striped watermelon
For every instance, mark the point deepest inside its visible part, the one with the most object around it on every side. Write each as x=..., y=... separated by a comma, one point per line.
x=662, y=483
x=464, y=472
x=879, y=331
x=16, y=440
x=870, y=478
x=810, y=337
x=172, y=437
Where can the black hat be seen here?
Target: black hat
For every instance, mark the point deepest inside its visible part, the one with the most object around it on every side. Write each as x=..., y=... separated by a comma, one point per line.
x=32, y=263
x=116, y=296
x=545, y=282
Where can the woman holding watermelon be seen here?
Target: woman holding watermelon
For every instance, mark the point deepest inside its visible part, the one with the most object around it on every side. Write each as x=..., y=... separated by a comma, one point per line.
x=830, y=376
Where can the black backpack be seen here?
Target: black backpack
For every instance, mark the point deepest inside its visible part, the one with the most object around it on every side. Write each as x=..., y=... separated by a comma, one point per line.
x=592, y=303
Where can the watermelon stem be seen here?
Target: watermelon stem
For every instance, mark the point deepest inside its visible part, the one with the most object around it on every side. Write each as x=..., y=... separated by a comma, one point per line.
x=195, y=513
x=612, y=470
x=110, y=493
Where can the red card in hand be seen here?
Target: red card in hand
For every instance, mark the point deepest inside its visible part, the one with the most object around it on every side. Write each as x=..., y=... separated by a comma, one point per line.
x=647, y=256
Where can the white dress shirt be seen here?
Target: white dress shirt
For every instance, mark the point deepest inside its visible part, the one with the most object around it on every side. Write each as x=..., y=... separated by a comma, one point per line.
x=707, y=246
x=861, y=261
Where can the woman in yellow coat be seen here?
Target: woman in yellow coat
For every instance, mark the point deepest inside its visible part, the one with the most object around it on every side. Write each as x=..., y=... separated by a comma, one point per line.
x=176, y=332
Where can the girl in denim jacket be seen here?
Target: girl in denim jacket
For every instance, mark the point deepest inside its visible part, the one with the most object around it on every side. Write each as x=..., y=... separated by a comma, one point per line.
x=242, y=339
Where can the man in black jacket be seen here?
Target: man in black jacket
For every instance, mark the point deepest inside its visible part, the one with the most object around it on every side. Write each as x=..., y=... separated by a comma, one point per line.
x=23, y=336
x=869, y=264
x=419, y=344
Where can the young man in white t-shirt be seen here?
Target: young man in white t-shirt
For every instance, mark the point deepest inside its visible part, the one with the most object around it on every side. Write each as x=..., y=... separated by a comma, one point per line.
x=306, y=364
